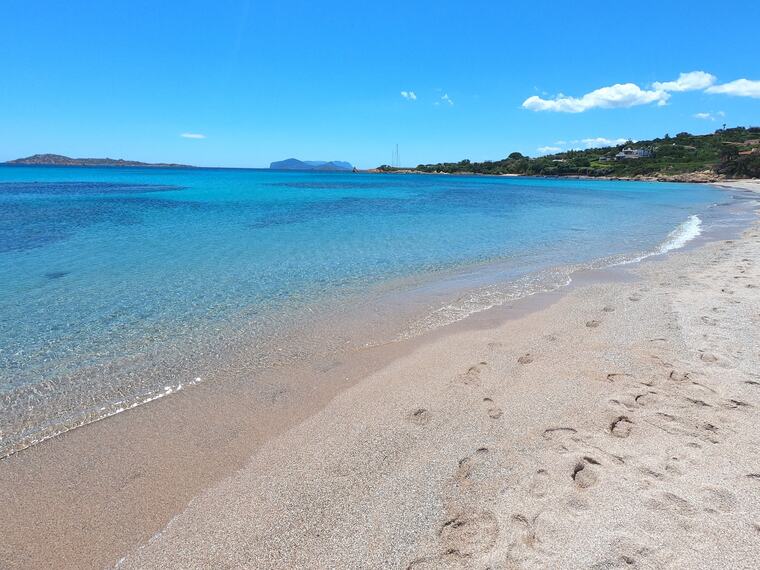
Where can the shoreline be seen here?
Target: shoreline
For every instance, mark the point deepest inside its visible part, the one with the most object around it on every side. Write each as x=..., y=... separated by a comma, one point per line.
x=685, y=178
x=126, y=462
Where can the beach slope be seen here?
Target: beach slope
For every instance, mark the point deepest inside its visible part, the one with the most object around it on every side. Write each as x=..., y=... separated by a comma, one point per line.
x=617, y=427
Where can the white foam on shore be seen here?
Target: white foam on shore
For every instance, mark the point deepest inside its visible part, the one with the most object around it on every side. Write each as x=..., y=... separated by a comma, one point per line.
x=679, y=237
x=682, y=235
x=488, y=297
x=548, y=280
x=101, y=414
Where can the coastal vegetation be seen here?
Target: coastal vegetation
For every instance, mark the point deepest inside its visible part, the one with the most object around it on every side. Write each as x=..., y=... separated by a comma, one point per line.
x=730, y=153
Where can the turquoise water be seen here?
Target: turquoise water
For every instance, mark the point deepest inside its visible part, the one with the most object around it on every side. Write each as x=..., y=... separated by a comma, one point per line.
x=120, y=285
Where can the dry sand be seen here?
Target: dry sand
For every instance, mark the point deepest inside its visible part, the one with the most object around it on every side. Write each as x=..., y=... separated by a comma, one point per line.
x=618, y=427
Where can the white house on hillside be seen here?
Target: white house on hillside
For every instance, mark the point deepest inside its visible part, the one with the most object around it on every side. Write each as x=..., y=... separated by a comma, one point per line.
x=629, y=152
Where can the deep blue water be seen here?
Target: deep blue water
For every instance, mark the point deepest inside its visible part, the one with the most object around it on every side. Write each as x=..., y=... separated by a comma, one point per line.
x=111, y=279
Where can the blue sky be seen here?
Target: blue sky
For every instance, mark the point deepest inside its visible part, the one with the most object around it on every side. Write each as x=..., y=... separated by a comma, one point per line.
x=263, y=81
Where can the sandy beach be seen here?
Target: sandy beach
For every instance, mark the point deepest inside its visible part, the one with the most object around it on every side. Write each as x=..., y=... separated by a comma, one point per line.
x=612, y=425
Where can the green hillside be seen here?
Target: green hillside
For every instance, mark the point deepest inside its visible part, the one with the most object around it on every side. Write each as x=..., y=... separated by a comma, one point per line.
x=730, y=153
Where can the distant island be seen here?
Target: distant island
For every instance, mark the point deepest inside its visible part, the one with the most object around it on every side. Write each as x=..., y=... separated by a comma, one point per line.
x=726, y=153
x=60, y=160
x=295, y=164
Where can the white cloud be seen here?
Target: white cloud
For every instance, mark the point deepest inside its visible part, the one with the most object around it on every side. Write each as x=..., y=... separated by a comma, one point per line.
x=690, y=81
x=409, y=95
x=739, y=88
x=446, y=99
x=592, y=142
x=598, y=142
x=709, y=116
x=192, y=136
x=615, y=96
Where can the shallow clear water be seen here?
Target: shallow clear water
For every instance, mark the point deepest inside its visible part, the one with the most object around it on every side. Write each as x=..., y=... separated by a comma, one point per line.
x=118, y=285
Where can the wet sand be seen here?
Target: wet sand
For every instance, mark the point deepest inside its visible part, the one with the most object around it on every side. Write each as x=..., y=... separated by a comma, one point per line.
x=613, y=425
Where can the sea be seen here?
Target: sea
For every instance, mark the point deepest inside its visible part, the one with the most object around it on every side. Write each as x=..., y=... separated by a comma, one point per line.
x=119, y=286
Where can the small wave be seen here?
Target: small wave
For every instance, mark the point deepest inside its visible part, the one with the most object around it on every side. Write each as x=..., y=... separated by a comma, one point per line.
x=682, y=235
x=86, y=417
x=541, y=282
x=486, y=298
x=679, y=237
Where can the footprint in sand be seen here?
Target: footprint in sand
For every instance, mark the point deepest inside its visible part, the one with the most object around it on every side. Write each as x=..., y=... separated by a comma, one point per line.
x=635, y=297
x=697, y=402
x=530, y=536
x=618, y=377
x=671, y=501
x=466, y=466
x=539, y=483
x=628, y=405
x=526, y=358
x=647, y=399
x=593, y=324
x=621, y=426
x=734, y=404
x=563, y=439
x=679, y=376
x=584, y=475
x=555, y=432
x=674, y=425
x=464, y=472
x=419, y=417
x=708, y=357
x=472, y=376
x=471, y=532
x=608, y=309
x=624, y=553
x=719, y=499
x=495, y=413
x=660, y=361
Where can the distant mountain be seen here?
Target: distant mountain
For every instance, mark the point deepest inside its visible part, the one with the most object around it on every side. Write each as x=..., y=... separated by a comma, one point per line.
x=295, y=164
x=60, y=160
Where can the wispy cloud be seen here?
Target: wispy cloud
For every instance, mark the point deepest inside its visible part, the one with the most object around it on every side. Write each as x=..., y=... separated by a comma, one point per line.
x=738, y=88
x=598, y=142
x=549, y=149
x=691, y=81
x=446, y=99
x=409, y=95
x=192, y=136
x=576, y=144
x=709, y=116
x=614, y=96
